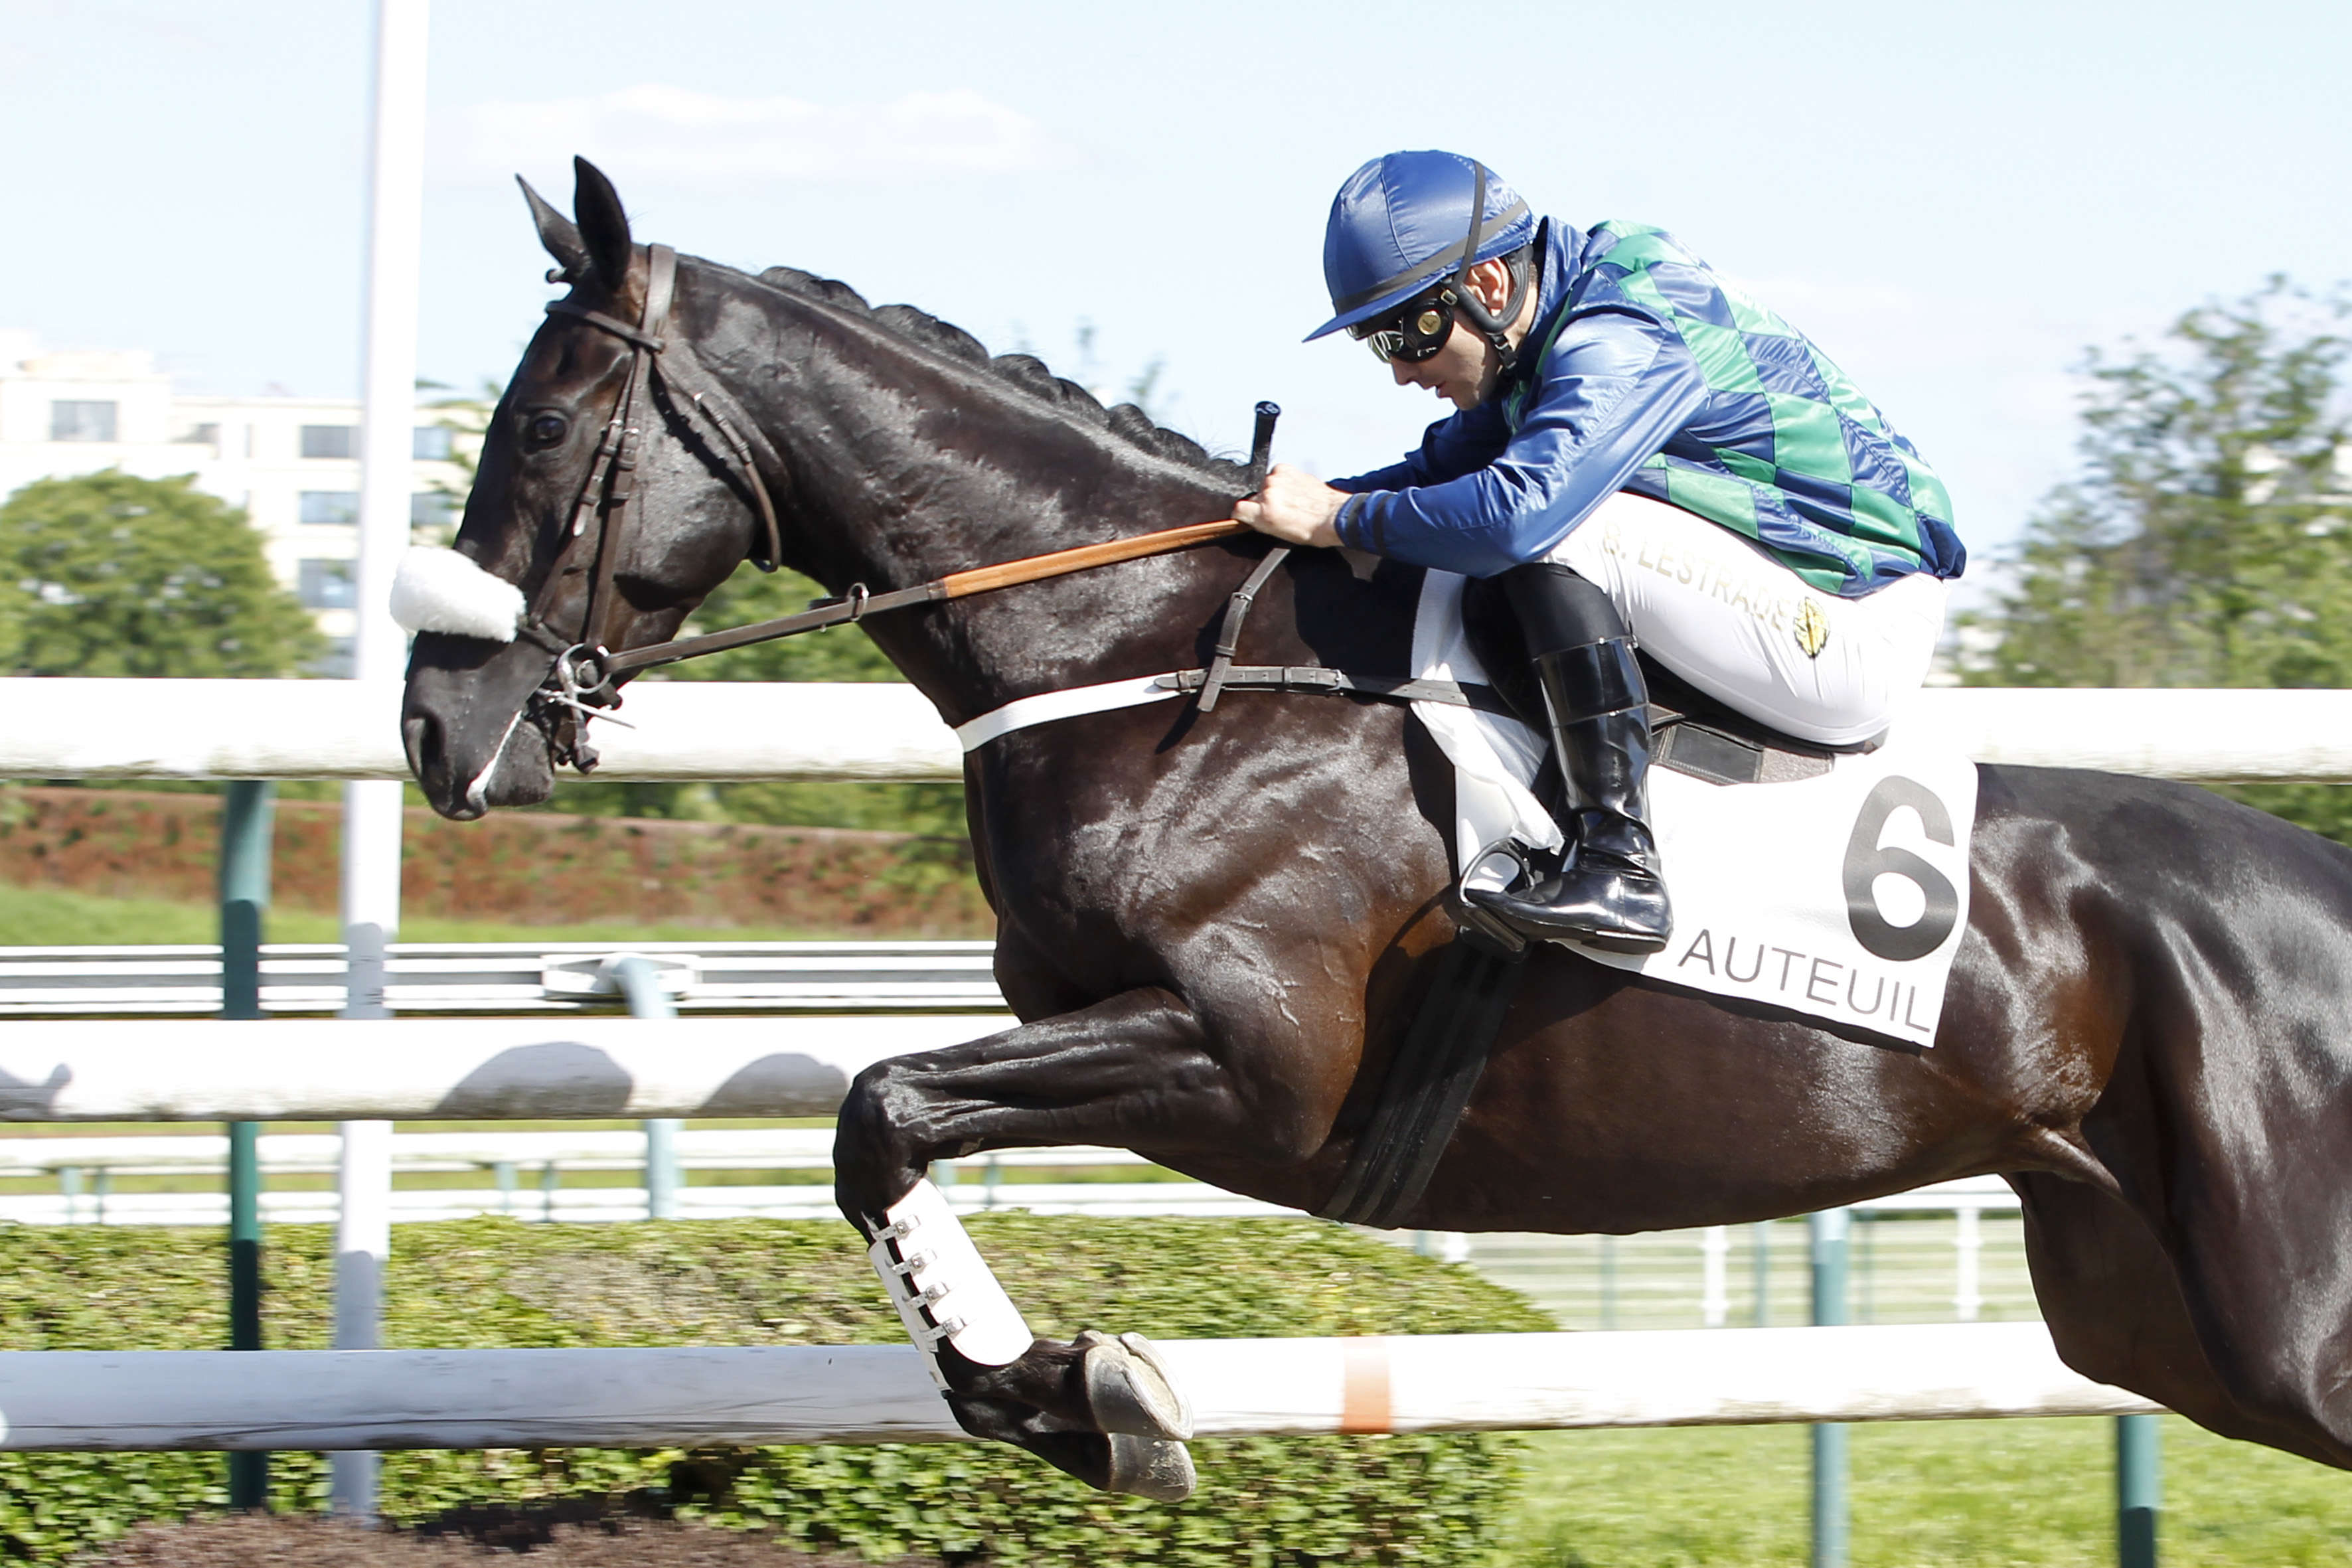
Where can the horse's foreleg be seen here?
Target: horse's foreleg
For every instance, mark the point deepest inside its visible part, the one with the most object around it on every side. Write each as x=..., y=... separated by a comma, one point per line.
x=1134, y=1068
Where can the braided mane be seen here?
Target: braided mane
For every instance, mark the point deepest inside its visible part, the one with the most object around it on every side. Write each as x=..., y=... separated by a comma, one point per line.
x=1025, y=372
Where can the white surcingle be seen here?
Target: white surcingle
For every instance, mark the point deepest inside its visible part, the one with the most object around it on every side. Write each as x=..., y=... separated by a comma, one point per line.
x=438, y=590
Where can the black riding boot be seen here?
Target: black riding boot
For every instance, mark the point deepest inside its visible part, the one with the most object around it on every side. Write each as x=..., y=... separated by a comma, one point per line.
x=1609, y=893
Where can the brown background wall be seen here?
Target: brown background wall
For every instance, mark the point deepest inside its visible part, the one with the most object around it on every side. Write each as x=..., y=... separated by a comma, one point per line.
x=534, y=868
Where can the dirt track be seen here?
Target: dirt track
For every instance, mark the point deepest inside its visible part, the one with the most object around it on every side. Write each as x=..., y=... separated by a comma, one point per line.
x=491, y=1534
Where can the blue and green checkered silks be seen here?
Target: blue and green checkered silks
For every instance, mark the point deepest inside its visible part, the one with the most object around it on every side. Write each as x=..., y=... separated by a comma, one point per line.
x=1785, y=450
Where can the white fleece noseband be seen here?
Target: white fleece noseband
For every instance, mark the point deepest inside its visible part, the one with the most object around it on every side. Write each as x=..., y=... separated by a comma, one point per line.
x=438, y=590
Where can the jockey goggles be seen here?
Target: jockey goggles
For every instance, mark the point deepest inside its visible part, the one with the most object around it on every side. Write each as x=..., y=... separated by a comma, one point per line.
x=1414, y=333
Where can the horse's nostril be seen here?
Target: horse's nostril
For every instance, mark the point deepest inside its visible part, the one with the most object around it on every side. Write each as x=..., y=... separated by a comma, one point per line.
x=428, y=755
x=420, y=736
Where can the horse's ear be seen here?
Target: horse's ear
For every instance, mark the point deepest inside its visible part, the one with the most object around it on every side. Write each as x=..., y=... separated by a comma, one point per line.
x=556, y=233
x=603, y=226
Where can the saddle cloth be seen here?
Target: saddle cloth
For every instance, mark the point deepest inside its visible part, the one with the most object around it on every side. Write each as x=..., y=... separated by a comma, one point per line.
x=1842, y=897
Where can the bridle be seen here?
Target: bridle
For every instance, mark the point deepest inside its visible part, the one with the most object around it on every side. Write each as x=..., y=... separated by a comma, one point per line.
x=580, y=682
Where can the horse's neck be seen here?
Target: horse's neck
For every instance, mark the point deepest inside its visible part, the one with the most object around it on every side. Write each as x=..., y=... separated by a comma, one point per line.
x=907, y=465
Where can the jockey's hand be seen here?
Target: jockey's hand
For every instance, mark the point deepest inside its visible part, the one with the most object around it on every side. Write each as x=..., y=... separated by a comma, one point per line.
x=1295, y=507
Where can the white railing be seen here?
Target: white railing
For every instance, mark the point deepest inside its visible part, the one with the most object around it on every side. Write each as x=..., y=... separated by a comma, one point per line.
x=686, y=1398
x=720, y=731
x=511, y=977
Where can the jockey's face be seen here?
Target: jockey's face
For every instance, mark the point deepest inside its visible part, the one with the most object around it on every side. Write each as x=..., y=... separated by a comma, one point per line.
x=1463, y=372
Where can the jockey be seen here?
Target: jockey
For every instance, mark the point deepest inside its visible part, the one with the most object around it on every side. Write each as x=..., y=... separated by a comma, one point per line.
x=1643, y=454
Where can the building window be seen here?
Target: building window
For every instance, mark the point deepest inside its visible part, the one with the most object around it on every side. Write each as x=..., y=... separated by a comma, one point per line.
x=330, y=441
x=81, y=421
x=338, y=663
x=431, y=509
x=330, y=508
x=201, y=436
x=431, y=444
x=326, y=585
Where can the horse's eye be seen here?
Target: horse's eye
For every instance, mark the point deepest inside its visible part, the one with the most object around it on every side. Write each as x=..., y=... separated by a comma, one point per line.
x=546, y=429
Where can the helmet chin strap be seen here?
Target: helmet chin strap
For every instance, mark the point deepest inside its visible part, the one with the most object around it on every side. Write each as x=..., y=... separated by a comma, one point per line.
x=1491, y=326
x=1494, y=326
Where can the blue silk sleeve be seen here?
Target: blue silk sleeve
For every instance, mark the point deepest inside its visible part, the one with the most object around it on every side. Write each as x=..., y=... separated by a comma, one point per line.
x=1612, y=391
x=1450, y=449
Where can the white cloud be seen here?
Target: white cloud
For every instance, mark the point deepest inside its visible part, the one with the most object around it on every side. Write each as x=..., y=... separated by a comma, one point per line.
x=697, y=138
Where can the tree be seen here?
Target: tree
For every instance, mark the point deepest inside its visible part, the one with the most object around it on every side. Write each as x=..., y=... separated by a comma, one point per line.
x=119, y=575
x=467, y=420
x=2208, y=539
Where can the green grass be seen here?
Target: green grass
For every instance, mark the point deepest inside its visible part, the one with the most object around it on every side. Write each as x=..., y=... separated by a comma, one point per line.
x=1945, y=1493
x=54, y=917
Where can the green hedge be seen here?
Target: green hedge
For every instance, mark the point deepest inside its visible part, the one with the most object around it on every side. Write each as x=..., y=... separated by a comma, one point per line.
x=1422, y=1500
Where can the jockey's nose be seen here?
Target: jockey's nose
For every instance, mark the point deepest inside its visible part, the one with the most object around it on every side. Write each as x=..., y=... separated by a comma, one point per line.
x=1405, y=371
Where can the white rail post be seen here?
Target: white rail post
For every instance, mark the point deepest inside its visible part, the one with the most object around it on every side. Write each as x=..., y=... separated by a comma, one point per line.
x=641, y=982
x=1715, y=1274
x=371, y=891
x=1967, y=1295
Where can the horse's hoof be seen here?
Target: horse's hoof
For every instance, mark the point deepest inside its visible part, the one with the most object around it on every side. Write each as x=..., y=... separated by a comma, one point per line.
x=1130, y=1391
x=1150, y=1467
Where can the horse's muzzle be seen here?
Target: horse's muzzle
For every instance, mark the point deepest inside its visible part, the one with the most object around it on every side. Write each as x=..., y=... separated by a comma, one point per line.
x=463, y=724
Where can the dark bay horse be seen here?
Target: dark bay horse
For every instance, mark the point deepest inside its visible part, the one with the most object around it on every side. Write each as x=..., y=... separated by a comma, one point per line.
x=1215, y=926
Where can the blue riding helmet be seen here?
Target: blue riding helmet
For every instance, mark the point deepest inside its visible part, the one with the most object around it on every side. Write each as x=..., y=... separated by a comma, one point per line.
x=1403, y=223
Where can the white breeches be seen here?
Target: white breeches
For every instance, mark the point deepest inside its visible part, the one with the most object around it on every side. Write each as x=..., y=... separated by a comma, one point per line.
x=1720, y=612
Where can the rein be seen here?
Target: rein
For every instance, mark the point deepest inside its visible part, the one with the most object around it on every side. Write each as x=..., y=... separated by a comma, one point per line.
x=581, y=683
x=858, y=603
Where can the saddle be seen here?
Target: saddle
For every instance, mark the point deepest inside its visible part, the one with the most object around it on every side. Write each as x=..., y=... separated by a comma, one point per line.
x=1692, y=732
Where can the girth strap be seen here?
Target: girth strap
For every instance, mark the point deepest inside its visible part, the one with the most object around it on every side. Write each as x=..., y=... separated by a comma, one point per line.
x=1317, y=680
x=1437, y=1067
x=1229, y=634
x=1109, y=696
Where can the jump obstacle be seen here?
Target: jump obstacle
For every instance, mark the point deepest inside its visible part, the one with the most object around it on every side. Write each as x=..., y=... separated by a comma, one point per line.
x=259, y=1400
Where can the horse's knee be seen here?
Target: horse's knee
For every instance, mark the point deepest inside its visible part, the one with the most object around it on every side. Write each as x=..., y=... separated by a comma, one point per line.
x=874, y=1162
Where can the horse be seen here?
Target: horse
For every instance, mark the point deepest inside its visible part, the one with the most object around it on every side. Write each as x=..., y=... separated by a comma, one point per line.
x=1215, y=926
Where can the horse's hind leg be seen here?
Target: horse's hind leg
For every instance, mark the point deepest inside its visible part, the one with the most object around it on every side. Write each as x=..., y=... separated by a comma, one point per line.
x=2114, y=1302
x=1130, y=1070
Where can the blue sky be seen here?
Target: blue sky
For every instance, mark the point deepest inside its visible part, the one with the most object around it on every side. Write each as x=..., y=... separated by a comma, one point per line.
x=1952, y=200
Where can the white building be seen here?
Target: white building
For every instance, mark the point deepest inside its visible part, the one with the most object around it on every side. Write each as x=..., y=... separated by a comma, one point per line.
x=291, y=463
